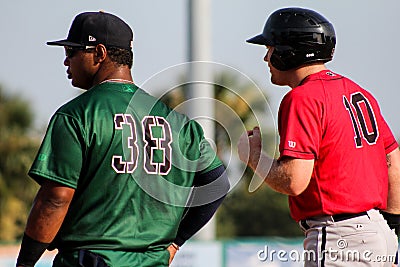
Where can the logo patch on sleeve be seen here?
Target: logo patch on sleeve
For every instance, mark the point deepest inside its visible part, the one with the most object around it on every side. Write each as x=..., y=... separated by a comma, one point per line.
x=42, y=157
x=292, y=144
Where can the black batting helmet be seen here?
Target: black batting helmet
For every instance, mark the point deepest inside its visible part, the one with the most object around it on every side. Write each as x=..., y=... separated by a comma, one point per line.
x=299, y=36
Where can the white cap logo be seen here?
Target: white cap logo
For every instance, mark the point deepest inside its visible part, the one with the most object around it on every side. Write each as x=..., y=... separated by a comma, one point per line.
x=92, y=39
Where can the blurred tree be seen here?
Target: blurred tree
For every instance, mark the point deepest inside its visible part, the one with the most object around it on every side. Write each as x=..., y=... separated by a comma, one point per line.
x=241, y=105
x=17, y=151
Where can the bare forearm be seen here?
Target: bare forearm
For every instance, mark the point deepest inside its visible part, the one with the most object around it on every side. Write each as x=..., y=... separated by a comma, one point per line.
x=48, y=211
x=45, y=220
x=393, y=202
x=274, y=174
x=289, y=176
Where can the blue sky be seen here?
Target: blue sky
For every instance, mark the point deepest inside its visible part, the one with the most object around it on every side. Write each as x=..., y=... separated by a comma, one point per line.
x=366, y=52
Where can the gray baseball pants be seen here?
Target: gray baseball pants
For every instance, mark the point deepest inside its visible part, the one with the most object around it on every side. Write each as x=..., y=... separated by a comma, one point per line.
x=363, y=239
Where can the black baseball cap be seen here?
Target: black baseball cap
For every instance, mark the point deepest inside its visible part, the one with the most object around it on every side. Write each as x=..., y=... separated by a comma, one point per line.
x=93, y=28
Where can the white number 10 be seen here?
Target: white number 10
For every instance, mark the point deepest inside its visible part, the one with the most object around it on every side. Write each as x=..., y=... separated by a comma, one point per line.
x=359, y=119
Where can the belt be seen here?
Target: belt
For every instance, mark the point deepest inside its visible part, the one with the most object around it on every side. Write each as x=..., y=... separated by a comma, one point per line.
x=337, y=218
x=346, y=216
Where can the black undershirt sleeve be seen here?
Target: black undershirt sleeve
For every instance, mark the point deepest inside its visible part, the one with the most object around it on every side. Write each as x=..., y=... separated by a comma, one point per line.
x=212, y=186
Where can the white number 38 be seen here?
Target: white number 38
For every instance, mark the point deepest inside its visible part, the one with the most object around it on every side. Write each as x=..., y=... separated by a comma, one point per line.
x=153, y=144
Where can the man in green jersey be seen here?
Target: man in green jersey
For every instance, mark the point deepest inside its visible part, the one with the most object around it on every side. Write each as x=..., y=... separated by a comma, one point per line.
x=124, y=179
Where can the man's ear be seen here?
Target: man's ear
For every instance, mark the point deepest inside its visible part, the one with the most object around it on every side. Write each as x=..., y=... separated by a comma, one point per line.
x=100, y=53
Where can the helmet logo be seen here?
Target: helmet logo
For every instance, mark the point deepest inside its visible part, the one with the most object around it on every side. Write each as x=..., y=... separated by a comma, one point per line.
x=310, y=55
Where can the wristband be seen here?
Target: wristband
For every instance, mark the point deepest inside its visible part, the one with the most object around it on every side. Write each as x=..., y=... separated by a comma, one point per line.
x=175, y=246
x=31, y=251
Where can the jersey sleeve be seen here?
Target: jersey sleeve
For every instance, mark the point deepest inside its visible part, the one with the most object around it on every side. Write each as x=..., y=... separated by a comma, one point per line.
x=60, y=155
x=389, y=141
x=300, y=126
x=197, y=149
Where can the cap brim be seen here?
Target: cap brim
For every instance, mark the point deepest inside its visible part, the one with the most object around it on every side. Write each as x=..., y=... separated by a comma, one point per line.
x=259, y=40
x=64, y=43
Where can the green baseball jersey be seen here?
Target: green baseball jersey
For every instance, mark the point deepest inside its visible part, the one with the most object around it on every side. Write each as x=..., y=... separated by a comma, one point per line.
x=131, y=161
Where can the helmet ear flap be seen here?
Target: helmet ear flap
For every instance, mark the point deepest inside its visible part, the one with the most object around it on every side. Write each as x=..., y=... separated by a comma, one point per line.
x=277, y=62
x=282, y=58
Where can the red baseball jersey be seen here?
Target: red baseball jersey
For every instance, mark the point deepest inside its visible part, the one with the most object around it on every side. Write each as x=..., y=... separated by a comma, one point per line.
x=334, y=121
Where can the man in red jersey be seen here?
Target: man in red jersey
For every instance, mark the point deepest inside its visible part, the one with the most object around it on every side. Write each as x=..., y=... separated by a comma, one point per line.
x=339, y=162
